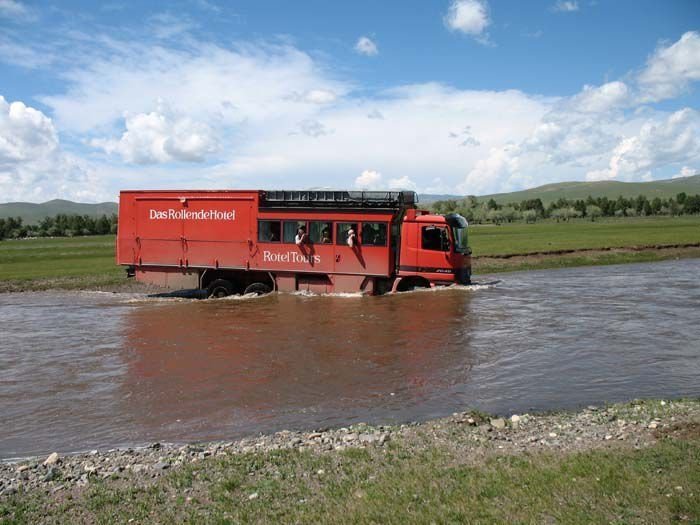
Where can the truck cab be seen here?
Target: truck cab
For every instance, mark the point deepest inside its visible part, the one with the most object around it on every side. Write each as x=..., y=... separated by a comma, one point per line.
x=434, y=250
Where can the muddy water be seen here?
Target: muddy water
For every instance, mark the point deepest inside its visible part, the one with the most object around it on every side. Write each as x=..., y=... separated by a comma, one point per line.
x=94, y=370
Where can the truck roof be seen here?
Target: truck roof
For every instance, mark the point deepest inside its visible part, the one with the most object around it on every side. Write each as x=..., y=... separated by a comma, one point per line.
x=338, y=199
x=315, y=198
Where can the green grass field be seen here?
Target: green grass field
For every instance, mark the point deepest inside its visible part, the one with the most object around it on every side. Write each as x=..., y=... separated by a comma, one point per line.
x=581, y=234
x=88, y=262
x=62, y=263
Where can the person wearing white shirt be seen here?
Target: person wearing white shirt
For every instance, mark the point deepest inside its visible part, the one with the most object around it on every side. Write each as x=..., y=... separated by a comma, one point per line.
x=300, y=237
x=352, y=238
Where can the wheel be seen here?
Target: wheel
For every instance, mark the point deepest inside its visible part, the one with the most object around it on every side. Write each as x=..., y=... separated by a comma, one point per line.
x=406, y=286
x=410, y=284
x=257, y=289
x=220, y=288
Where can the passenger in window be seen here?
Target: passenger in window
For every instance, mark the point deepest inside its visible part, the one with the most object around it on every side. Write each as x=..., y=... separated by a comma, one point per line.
x=377, y=239
x=380, y=239
x=352, y=238
x=269, y=231
x=300, y=237
x=326, y=236
x=373, y=234
x=367, y=234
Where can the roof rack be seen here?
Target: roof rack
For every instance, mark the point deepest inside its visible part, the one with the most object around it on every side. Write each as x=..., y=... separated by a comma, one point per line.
x=338, y=199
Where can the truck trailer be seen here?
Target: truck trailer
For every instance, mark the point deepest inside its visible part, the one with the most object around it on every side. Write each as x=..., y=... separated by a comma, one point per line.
x=239, y=242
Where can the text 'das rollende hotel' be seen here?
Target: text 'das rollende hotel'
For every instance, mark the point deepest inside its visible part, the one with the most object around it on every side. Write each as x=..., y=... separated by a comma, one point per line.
x=200, y=215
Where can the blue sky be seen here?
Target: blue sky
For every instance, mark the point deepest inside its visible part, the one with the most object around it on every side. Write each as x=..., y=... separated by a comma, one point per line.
x=456, y=96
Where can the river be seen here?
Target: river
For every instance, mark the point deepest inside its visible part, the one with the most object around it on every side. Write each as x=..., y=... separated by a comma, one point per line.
x=83, y=370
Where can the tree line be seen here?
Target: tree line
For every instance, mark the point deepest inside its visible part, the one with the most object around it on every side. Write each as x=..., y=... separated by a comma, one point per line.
x=61, y=225
x=531, y=210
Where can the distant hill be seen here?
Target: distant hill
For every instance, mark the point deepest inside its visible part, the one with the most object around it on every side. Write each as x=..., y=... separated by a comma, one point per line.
x=32, y=213
x=611, y=189
x=427, y=198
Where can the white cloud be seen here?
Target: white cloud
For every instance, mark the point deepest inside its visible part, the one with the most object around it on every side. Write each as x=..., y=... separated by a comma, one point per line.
x=314, y=128
x=13, y=9
x=369, y=180
x=438, y=186
x=208, y=6
x=464, y=137
x=24, y=56
x=167, y=25
x=565, y=135
x=320, y=96
x=32, y=164
x=468, y=16
x=254, y=84
x=600, y=126
x=373, y=180
x=366, y=46
x=599, y=99
x=659, y=142
x=566, y=144
x=263, y=105
x=411, y=140
x=565, y=6
x=25, y=134
x=256, y=113
x=686, y=171
x=500, y=164
x=159, y=137
x=671, y=69
x=402, y=183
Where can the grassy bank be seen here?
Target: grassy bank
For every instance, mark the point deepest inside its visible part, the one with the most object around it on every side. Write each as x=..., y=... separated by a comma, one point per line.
x=549, y=244
x=580, y=234
x=633, y=463
x=545, y=261
x=88, y=262
x=66, y=263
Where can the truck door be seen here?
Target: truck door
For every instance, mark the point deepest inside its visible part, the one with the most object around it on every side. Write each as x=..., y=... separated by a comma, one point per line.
x=158, y=231
x=220, y=237
x=435, y=245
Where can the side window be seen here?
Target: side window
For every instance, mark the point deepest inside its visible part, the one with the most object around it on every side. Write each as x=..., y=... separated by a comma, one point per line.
x=321, y=232
x=433, y=238
x=342, y=229
x=373, y=234
x=269, y=231
x=290, y=230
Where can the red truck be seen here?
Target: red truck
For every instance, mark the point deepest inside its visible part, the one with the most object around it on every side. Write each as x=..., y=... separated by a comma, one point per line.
x=238, y=242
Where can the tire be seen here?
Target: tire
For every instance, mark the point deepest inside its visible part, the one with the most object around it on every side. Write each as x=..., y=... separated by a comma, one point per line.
x=410, y=284
x=405, y=286
x=220, y=288
x=257, y=289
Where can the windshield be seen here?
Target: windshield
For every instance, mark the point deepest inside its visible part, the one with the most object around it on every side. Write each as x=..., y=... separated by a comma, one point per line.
x=460, y=235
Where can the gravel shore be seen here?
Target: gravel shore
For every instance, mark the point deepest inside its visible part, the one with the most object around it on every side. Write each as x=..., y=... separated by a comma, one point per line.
x=474, y=435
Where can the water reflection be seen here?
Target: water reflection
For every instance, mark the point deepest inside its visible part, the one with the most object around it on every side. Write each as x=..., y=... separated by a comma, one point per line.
x=291, y=359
